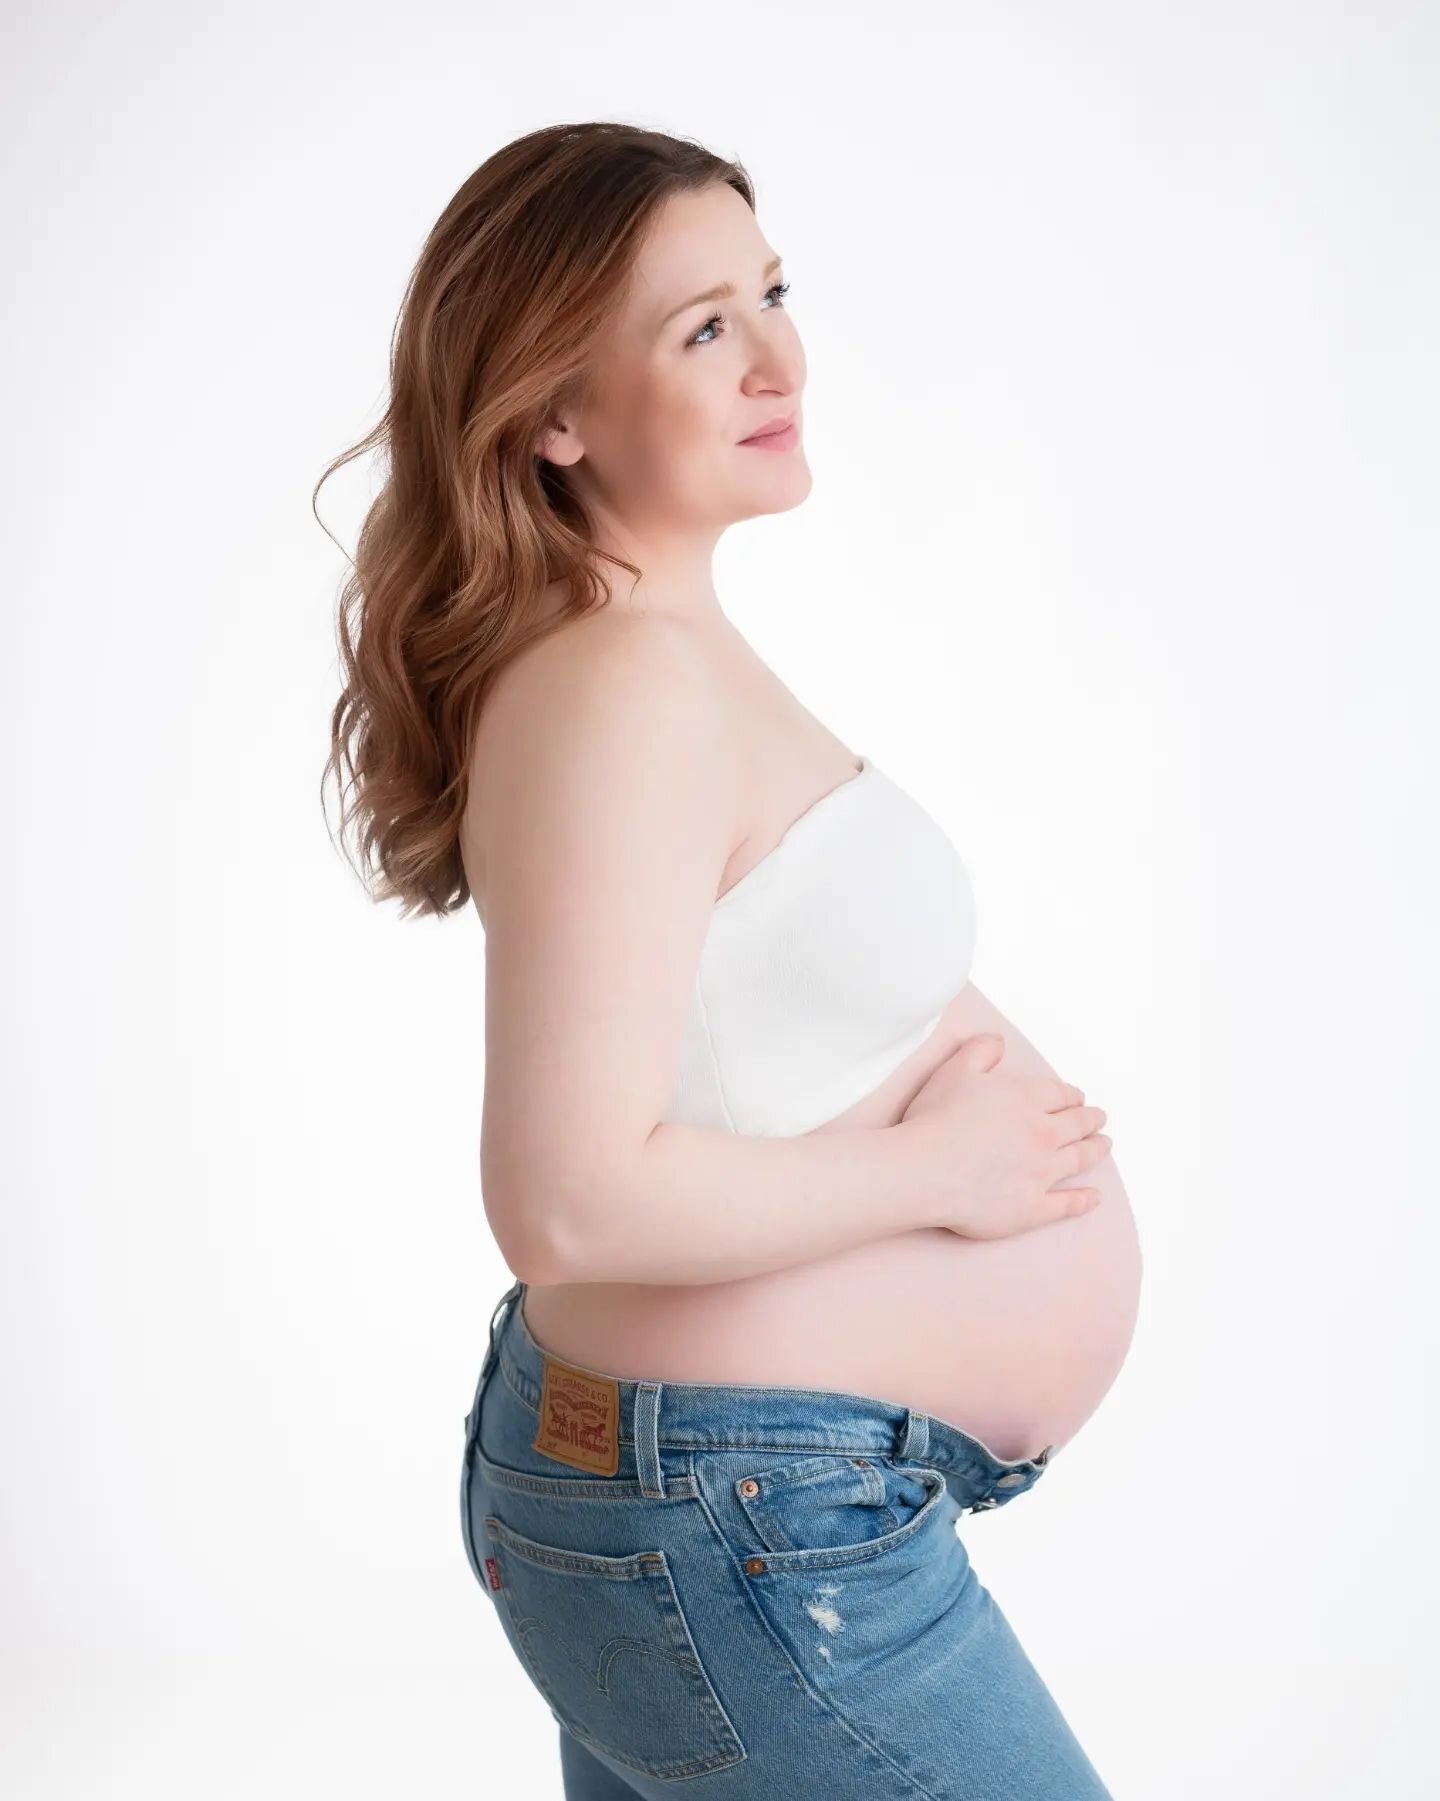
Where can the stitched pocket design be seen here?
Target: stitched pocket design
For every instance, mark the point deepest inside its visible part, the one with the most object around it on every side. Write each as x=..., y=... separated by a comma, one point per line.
x=605, y=1641
x=837, y=1503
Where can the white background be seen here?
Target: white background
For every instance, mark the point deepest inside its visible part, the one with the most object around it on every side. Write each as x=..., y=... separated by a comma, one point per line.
x=1121, y=556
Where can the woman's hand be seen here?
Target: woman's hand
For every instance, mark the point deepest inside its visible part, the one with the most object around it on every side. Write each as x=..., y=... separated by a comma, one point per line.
x=994, y=1144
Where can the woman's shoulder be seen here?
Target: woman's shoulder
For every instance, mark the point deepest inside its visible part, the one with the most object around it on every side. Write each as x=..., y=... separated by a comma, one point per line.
x=601, y=666
x=604, y=691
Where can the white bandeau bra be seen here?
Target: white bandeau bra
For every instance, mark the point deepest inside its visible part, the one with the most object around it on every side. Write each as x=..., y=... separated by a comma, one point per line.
x=825, y=965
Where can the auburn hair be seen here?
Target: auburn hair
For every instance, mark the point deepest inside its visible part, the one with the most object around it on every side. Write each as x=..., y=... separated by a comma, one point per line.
x=519, y=275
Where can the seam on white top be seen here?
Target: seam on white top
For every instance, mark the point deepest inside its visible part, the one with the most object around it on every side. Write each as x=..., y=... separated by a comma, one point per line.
x=710, y=1048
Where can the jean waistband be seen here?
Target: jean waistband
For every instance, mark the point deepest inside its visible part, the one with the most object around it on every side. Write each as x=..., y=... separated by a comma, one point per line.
x=718, y=1416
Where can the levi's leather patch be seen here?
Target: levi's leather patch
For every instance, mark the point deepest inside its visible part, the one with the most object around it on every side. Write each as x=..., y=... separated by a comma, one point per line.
x=579, y=1418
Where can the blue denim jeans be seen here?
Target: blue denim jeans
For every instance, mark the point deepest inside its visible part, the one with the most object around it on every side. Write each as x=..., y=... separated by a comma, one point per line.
x=751, y=1591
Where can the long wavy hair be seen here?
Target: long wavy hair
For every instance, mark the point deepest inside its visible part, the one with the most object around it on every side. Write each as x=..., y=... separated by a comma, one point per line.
x=520, y=274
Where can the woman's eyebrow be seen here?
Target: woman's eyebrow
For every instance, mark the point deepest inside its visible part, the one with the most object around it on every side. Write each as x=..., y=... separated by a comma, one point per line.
x=723, y=292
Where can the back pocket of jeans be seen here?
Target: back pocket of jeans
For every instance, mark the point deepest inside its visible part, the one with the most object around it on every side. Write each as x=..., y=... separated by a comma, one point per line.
x=605, y=1641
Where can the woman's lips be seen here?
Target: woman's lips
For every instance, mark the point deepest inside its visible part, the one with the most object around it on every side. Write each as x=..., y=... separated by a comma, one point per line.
x=785, y=439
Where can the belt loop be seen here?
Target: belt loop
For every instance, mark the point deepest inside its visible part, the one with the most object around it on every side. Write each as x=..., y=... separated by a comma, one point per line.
x=472, y=1419
x=915, y=1436
x=647, y=1439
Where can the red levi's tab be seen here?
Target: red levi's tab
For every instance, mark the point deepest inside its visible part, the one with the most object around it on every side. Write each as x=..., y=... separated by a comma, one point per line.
x=579, y=1418
x=492, y=1570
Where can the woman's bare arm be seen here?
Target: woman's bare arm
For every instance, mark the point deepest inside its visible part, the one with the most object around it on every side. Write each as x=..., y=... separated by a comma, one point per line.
x=604, y=840
x=703, y=1205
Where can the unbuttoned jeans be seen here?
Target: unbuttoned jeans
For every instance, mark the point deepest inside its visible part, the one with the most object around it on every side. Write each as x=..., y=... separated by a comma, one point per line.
x=768, y=1598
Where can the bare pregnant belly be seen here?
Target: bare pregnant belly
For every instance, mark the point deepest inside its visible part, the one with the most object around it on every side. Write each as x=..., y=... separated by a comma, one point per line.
x=1014, y=1340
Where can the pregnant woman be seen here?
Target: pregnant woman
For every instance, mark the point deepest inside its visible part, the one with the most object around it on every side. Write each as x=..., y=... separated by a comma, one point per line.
x=815, y=1253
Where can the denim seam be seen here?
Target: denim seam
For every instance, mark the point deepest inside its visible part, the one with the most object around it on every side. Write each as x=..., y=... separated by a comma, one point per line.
x=613, y=1489
x=821, y=1700
x=524, y=1400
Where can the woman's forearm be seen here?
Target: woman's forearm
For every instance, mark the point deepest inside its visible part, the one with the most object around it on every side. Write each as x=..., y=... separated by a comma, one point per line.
x=698, y=1204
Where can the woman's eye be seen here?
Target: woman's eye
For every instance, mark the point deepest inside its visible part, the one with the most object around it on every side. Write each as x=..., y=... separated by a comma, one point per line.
x=779, y=289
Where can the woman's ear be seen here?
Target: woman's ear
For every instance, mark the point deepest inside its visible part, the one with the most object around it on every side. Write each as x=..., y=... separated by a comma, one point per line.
x=559, y=444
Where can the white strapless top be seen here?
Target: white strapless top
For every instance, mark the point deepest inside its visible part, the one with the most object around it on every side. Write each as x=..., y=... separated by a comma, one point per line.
x=825, y=965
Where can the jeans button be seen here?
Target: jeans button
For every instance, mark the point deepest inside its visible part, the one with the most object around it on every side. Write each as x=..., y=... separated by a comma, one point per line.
x=1012, y=1480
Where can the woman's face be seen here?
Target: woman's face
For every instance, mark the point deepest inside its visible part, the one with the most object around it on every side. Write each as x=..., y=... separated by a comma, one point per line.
x=656, y=446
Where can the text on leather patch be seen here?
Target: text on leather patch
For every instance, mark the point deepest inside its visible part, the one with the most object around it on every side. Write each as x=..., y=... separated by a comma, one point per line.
x=579, y=1418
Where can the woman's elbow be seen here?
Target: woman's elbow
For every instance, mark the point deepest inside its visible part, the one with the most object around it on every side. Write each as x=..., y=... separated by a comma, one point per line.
x=544, y=1221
